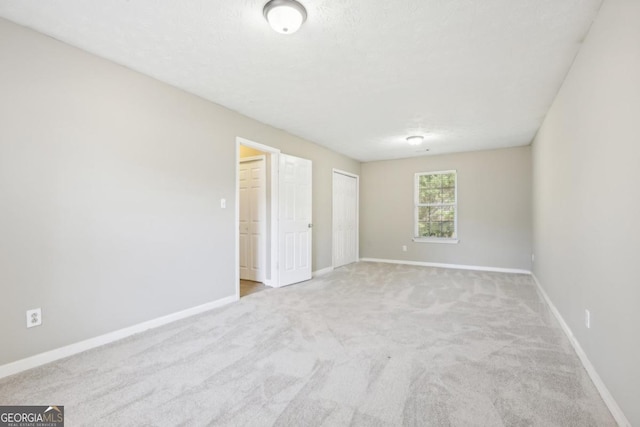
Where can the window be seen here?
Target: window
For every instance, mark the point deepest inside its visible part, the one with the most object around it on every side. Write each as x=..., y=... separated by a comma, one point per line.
x=436, y=206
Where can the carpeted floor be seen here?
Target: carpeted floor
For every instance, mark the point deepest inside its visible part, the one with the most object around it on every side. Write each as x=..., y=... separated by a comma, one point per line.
x=367, y=345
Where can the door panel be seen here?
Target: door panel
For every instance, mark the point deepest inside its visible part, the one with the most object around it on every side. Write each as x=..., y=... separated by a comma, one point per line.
x=295, y=219
x=244, y=220
x=304, y=257
x=252, y=194
x=345, y=219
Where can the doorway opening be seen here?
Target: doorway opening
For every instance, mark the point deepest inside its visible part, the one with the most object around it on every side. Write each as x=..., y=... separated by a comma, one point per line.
x=276, y=247
x=256, y=211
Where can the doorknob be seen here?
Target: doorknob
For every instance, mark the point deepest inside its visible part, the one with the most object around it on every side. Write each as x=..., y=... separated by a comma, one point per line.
x=310, y=225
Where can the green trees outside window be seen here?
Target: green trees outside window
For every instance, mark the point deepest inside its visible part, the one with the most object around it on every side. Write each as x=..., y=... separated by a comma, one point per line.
x=436, y=204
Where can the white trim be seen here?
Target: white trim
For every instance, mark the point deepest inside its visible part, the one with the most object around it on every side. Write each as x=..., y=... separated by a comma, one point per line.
x=444, y=172
x=252, y=158
x=435, y=240
x=274, y=165
x=78, y=347
x=357, y=177
x=256, y=145
x=322, y=271
x=236, y=273
x=615, y=410
x=454, y=266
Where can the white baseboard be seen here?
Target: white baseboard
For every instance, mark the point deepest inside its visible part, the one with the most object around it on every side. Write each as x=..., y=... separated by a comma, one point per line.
x=75, y=348
x=322, y=271
x=454, y=266
x=615, y=410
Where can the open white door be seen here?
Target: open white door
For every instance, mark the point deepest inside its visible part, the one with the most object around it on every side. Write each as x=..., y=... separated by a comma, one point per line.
x=295, y=220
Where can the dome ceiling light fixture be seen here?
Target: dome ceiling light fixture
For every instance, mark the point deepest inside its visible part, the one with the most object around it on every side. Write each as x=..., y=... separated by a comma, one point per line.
x=285, y=16
x=415, y=139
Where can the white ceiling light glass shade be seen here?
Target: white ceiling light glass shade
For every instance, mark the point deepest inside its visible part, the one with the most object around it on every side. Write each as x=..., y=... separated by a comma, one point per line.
x=285, y=16
x=415, y=139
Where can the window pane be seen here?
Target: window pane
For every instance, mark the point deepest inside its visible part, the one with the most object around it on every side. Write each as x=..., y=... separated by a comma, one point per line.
x=435, y=229
x=448, y=213
x=448, y=195
x=423, y=214
x=449, y=180
x=438, y=188
x=438, y=220
x=423, y=229
x=429, y=195
x=435, y=213
x=447, y=229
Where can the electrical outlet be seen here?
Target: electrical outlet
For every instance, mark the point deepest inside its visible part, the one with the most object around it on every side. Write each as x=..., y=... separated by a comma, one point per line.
x=587, y=319
x=223, y=203
x=404, y=248
x=34, y=317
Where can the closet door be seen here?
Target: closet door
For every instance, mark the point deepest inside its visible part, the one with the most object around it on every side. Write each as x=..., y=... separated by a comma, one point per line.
x=253, y=219
x=345, y=218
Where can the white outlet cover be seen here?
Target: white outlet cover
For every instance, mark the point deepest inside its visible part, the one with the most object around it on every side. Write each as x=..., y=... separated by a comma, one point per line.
x=587, y=319
x=34, y=317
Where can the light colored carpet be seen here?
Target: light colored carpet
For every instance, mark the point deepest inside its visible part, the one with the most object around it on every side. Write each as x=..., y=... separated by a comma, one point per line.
x=367, y=345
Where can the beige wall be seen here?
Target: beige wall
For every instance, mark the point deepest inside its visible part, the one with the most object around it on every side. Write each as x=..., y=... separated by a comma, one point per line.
x=494, y=209
x=110, y=188
x=587, y=203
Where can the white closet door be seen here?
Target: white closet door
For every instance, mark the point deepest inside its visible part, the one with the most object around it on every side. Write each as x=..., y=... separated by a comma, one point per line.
x=345, y=219
x=253, y=215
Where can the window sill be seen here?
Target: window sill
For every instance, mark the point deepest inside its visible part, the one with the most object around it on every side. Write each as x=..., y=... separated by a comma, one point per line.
x=435, y=240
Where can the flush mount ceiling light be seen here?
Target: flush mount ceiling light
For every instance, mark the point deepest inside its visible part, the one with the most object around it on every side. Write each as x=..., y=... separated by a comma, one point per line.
x=285, y=16
x=415, y=139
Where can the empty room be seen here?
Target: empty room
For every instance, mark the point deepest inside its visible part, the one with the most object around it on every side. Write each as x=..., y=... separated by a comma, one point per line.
x=319, y=213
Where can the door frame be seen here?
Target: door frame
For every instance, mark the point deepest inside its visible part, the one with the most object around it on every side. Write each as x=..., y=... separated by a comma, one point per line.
x=263, y=218
x=333, y=220
x=273, y=159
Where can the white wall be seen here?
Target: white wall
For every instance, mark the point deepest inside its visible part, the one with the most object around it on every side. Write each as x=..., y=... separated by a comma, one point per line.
x=110, y=188
x=587, y=202
x=494, y=209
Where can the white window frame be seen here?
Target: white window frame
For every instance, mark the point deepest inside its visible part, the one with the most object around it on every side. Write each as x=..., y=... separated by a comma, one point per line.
x=416, y=195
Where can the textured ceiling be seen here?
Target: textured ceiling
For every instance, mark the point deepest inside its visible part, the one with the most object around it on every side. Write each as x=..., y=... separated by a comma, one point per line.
x=360, y=75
